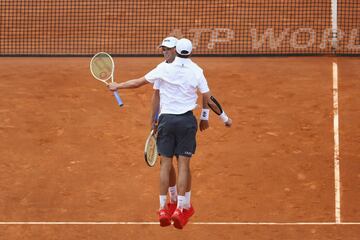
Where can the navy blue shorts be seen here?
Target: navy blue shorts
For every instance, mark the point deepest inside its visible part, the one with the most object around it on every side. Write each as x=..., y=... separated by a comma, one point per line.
x=177, y=134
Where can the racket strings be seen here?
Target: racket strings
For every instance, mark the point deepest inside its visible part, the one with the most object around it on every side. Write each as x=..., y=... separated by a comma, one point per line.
x=102, y=67
x=151, y=151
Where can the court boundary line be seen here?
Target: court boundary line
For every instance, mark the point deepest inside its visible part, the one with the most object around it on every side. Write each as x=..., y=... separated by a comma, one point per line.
x=191, y=223
x=337, y=178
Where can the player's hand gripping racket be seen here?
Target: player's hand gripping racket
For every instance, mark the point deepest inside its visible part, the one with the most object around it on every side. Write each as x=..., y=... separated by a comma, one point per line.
x=102, y=68
x=150, y=151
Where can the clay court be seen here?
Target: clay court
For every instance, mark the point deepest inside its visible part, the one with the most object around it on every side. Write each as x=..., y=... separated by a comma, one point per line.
x=72, y=161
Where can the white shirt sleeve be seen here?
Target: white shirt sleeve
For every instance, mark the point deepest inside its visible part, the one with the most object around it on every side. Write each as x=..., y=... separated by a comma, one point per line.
x=203, y=86
x=153, y=75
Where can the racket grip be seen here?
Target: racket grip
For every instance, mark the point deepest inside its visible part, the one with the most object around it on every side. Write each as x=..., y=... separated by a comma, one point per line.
x=118, y=99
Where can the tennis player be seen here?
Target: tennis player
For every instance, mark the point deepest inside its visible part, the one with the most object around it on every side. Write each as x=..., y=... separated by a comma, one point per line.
x=168, y=49
x=178, y=84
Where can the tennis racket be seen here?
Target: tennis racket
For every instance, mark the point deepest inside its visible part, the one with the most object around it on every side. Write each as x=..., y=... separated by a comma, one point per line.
x=150, y=151
x=102, y=68
x=215, y=106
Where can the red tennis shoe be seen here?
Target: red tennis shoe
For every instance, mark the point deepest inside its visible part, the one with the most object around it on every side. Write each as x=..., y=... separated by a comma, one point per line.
x=189, y=212
x=164, y=217
x=179, y=219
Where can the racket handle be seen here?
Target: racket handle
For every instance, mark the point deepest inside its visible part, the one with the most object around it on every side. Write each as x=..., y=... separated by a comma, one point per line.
x=155, y=120
x=156, y=117
x=118, y=99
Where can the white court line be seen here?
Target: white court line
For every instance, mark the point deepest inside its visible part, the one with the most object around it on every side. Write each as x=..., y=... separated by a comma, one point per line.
x=193, y=223
x=336, y=144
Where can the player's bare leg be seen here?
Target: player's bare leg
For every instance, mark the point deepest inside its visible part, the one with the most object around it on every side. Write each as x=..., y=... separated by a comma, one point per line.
x=172, y=185
x=172, y=179
x=188, y=207
x=165, y=167
x=183, y=179
x=178, y=217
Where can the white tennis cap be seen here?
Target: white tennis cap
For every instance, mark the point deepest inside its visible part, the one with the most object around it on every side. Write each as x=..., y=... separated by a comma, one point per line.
x=169, y=42
x=184, y=46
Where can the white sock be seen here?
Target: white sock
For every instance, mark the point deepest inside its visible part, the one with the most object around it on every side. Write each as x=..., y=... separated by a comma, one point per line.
x=162, y=201
x=173, y=194
x=187, y=200
x=180, y=202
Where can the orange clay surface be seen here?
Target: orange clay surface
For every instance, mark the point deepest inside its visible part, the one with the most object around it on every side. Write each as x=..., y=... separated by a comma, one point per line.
x=68, y=153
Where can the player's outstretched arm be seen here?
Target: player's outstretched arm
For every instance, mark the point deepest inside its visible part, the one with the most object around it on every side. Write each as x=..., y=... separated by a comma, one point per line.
x=134, y=83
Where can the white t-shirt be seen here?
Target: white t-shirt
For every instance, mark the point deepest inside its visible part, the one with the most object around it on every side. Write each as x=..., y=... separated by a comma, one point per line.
x=178, y=83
